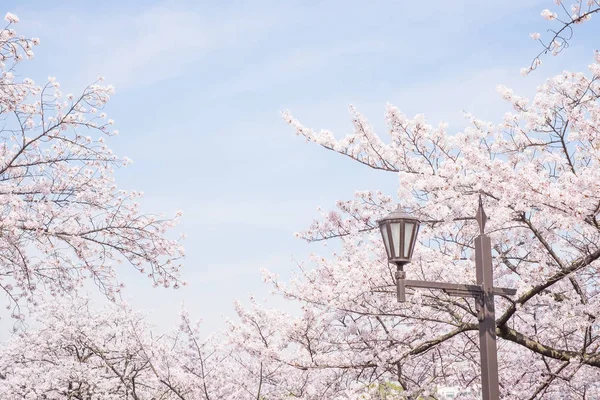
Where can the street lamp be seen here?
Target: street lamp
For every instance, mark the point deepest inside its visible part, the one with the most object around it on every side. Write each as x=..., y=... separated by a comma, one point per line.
x=399, y=231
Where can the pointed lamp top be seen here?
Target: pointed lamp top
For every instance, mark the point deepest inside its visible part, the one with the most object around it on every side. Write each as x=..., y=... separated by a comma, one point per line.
x=399, y=213
x=481, y=217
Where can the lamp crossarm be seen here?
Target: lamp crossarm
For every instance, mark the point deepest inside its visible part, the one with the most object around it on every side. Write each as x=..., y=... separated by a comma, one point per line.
x=453, y=289
x=450, y=288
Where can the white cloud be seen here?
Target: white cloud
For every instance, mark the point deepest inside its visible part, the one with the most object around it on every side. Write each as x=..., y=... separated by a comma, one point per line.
x=295, y=63
x=440, y=98
x=154, y=45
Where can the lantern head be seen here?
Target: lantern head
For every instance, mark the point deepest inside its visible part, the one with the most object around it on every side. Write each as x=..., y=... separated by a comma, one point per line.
x=399, y=232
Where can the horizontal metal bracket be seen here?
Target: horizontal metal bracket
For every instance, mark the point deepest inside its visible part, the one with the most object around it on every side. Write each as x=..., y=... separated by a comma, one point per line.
x=504, y=291
x=452, y=289
x=461, y=293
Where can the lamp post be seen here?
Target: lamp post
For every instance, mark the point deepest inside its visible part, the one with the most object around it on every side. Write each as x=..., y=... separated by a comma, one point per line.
x=399, y=231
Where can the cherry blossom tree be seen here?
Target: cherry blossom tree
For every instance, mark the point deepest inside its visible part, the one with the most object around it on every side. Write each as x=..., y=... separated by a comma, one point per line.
x=63, y=219
x=78, y=352
x=538, y=172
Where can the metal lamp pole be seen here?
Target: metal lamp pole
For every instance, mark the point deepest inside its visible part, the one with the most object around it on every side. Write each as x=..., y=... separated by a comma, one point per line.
x=399, y=248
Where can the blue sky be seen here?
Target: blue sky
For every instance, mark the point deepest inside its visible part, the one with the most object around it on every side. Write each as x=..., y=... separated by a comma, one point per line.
x=200, y=86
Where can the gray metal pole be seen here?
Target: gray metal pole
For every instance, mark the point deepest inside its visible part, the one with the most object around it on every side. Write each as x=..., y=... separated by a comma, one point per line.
x=400, y=287
x=483, y=292
x=487, y=322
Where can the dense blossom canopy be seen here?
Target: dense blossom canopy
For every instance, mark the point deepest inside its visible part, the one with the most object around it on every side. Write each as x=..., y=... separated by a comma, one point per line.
x=79, y=352
x=538, y=172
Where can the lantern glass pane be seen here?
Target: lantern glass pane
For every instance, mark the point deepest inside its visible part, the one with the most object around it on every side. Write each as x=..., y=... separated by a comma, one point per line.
x=395, y=228
x=408, y=232
x=415, y=240
x=386, y=239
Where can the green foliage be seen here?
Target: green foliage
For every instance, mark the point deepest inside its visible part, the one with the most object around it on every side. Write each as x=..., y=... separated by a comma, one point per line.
x=388, y=391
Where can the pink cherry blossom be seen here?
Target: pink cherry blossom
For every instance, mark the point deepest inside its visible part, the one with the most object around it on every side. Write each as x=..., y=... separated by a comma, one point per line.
x=11, y=18
x=548, y=15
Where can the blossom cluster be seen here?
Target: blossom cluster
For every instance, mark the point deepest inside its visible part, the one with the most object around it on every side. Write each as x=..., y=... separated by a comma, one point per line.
x=581, y=11
x=64, y=220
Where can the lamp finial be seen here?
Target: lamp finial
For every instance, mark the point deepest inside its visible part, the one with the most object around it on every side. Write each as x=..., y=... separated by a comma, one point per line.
x=481, y=217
